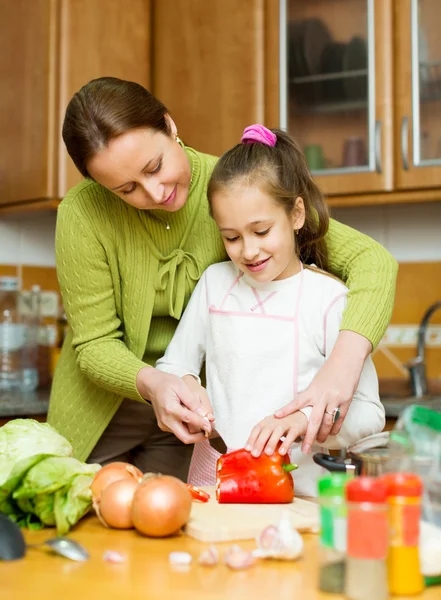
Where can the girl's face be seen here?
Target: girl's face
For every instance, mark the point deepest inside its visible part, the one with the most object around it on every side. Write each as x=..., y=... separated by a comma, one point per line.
x=145, y=168
x=257, y=232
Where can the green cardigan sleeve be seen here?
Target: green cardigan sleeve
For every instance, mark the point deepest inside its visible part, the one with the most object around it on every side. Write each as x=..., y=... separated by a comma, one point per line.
x=370, y=273
x=89, y=301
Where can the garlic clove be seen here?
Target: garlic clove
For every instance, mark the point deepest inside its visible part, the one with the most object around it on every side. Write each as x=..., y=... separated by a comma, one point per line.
x=209, y=557
x=236, y=558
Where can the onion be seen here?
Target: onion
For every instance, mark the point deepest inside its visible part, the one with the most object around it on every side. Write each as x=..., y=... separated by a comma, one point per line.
x=110, y=473
x=115, y=506
x=161, y=505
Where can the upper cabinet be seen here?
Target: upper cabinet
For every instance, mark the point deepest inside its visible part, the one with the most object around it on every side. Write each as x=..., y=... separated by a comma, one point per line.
x=418, y=83
x=49, y=49
x=356, y=82
x=27, y=110
x=211, y=67
x=336, y=90
x=98, y=38
x=360, y=89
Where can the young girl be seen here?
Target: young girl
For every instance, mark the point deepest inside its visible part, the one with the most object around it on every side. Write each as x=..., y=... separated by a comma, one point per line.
x=265, y=323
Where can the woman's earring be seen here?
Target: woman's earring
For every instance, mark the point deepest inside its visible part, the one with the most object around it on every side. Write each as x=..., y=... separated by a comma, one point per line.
x=177, y=138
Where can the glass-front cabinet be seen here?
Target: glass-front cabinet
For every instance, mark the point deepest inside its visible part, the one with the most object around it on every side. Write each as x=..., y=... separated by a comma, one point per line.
x=418, y=117
x=336, y=88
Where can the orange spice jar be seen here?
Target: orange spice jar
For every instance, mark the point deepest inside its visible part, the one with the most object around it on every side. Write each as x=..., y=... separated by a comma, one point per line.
x=404, y=491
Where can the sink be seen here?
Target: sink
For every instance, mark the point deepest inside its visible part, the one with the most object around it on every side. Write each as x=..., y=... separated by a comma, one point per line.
x=395, y=406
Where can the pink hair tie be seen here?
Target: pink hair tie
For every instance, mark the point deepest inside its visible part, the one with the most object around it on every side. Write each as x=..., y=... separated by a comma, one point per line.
x=258, y=133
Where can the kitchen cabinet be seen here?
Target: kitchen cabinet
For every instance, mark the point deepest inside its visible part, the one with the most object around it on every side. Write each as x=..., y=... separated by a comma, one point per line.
x=360, y=88
x=356, y=82
x=215, y=67
x=27, y=111
x=418, y=84
x=49, y=49
x=339, y=75
x=336, y=90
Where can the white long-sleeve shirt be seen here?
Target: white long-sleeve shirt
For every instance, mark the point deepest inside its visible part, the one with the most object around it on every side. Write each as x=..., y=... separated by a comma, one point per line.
x=262, y=344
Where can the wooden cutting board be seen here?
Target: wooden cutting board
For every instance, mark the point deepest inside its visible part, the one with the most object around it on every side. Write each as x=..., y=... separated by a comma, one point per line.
x=212, y=522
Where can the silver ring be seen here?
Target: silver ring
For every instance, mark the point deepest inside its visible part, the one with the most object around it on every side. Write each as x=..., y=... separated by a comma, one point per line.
x=335, y=414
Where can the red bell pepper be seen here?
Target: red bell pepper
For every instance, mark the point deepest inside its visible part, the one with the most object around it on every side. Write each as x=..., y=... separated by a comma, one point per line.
x=245, y=479
x=198, y=494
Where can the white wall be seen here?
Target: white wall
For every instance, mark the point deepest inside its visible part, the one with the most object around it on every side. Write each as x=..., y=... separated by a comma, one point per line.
x=28, y=240
x=411, y=232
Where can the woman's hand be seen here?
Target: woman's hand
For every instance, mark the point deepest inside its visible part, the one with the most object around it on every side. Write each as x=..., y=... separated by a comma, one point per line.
x=176, y=407
x=332, y=387
x=194, y=385
x=266, y=435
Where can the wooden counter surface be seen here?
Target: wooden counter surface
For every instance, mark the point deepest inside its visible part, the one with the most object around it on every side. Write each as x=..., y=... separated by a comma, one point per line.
x=147, y=575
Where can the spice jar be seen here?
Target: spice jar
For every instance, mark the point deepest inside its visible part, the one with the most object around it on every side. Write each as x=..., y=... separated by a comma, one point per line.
x=331, y=489
x=404, y=491
x=367, y=541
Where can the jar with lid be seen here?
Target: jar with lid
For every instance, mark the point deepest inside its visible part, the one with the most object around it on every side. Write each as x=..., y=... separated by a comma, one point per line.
x=11, y=336
x=367, y=541
x=404, y=491
x=331, y=490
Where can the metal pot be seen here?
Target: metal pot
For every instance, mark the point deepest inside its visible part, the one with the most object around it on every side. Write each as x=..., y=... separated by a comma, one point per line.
x=367, y=457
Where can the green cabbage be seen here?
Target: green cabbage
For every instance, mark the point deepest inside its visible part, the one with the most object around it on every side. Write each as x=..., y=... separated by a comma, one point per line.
x=40, y=483
x=24, y=438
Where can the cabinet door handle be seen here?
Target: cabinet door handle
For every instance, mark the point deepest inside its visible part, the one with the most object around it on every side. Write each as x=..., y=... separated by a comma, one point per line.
x=378, y=166
x=405, y=143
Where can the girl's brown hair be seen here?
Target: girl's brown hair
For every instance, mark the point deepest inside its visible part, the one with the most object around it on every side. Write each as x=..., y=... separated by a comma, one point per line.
x=102, y=110
x=281, y=172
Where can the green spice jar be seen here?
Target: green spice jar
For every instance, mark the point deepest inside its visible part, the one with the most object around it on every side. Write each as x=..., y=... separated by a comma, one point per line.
x=331, y=489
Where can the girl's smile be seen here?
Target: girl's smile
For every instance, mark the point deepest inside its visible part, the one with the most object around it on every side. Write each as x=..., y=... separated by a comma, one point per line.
x=258, y=266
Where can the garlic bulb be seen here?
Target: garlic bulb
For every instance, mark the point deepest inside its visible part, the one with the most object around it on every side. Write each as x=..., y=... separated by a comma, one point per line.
x=281, y=542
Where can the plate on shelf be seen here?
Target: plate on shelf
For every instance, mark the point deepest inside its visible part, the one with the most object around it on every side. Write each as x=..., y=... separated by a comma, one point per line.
x=332, y=62
x=355, y=59
x=296, y=61
x=316, y=37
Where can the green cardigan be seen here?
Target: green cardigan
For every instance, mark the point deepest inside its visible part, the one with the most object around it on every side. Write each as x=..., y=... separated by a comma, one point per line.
x=125, y=280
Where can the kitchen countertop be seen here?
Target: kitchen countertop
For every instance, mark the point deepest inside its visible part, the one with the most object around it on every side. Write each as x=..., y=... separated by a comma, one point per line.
x=147, y=575
x=25, y=403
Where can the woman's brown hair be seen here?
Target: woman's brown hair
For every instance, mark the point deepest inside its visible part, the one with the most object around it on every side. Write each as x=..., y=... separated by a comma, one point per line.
x=281, y=172
x=102, y=110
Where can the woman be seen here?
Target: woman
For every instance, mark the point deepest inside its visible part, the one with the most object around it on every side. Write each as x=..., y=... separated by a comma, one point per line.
x=132, y=241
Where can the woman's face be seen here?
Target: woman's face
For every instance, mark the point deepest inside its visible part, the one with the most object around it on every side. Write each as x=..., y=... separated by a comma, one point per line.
x=145, y=168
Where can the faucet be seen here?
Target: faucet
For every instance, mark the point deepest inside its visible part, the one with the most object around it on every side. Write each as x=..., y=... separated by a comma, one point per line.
x=417, y=365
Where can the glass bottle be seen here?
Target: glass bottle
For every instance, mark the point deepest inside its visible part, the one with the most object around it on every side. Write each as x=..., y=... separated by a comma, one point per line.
x=367, y=541
x=11, y=336
x=331, y=489
x=29, y=354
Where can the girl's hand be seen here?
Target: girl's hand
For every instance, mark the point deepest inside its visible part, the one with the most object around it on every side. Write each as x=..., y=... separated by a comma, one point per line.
x=266, y=435
x=332, y=387
x=201, y=393
x=175, y=405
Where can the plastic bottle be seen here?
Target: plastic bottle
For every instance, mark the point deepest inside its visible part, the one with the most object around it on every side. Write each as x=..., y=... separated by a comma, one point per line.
x=404, y=491
x=367, y=542
x=11, y=336
x=29, y=354
x=333, y=528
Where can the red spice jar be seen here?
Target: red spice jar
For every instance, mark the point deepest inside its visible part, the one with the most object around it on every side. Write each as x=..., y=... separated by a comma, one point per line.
x=404, y=491
x=366, y=572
